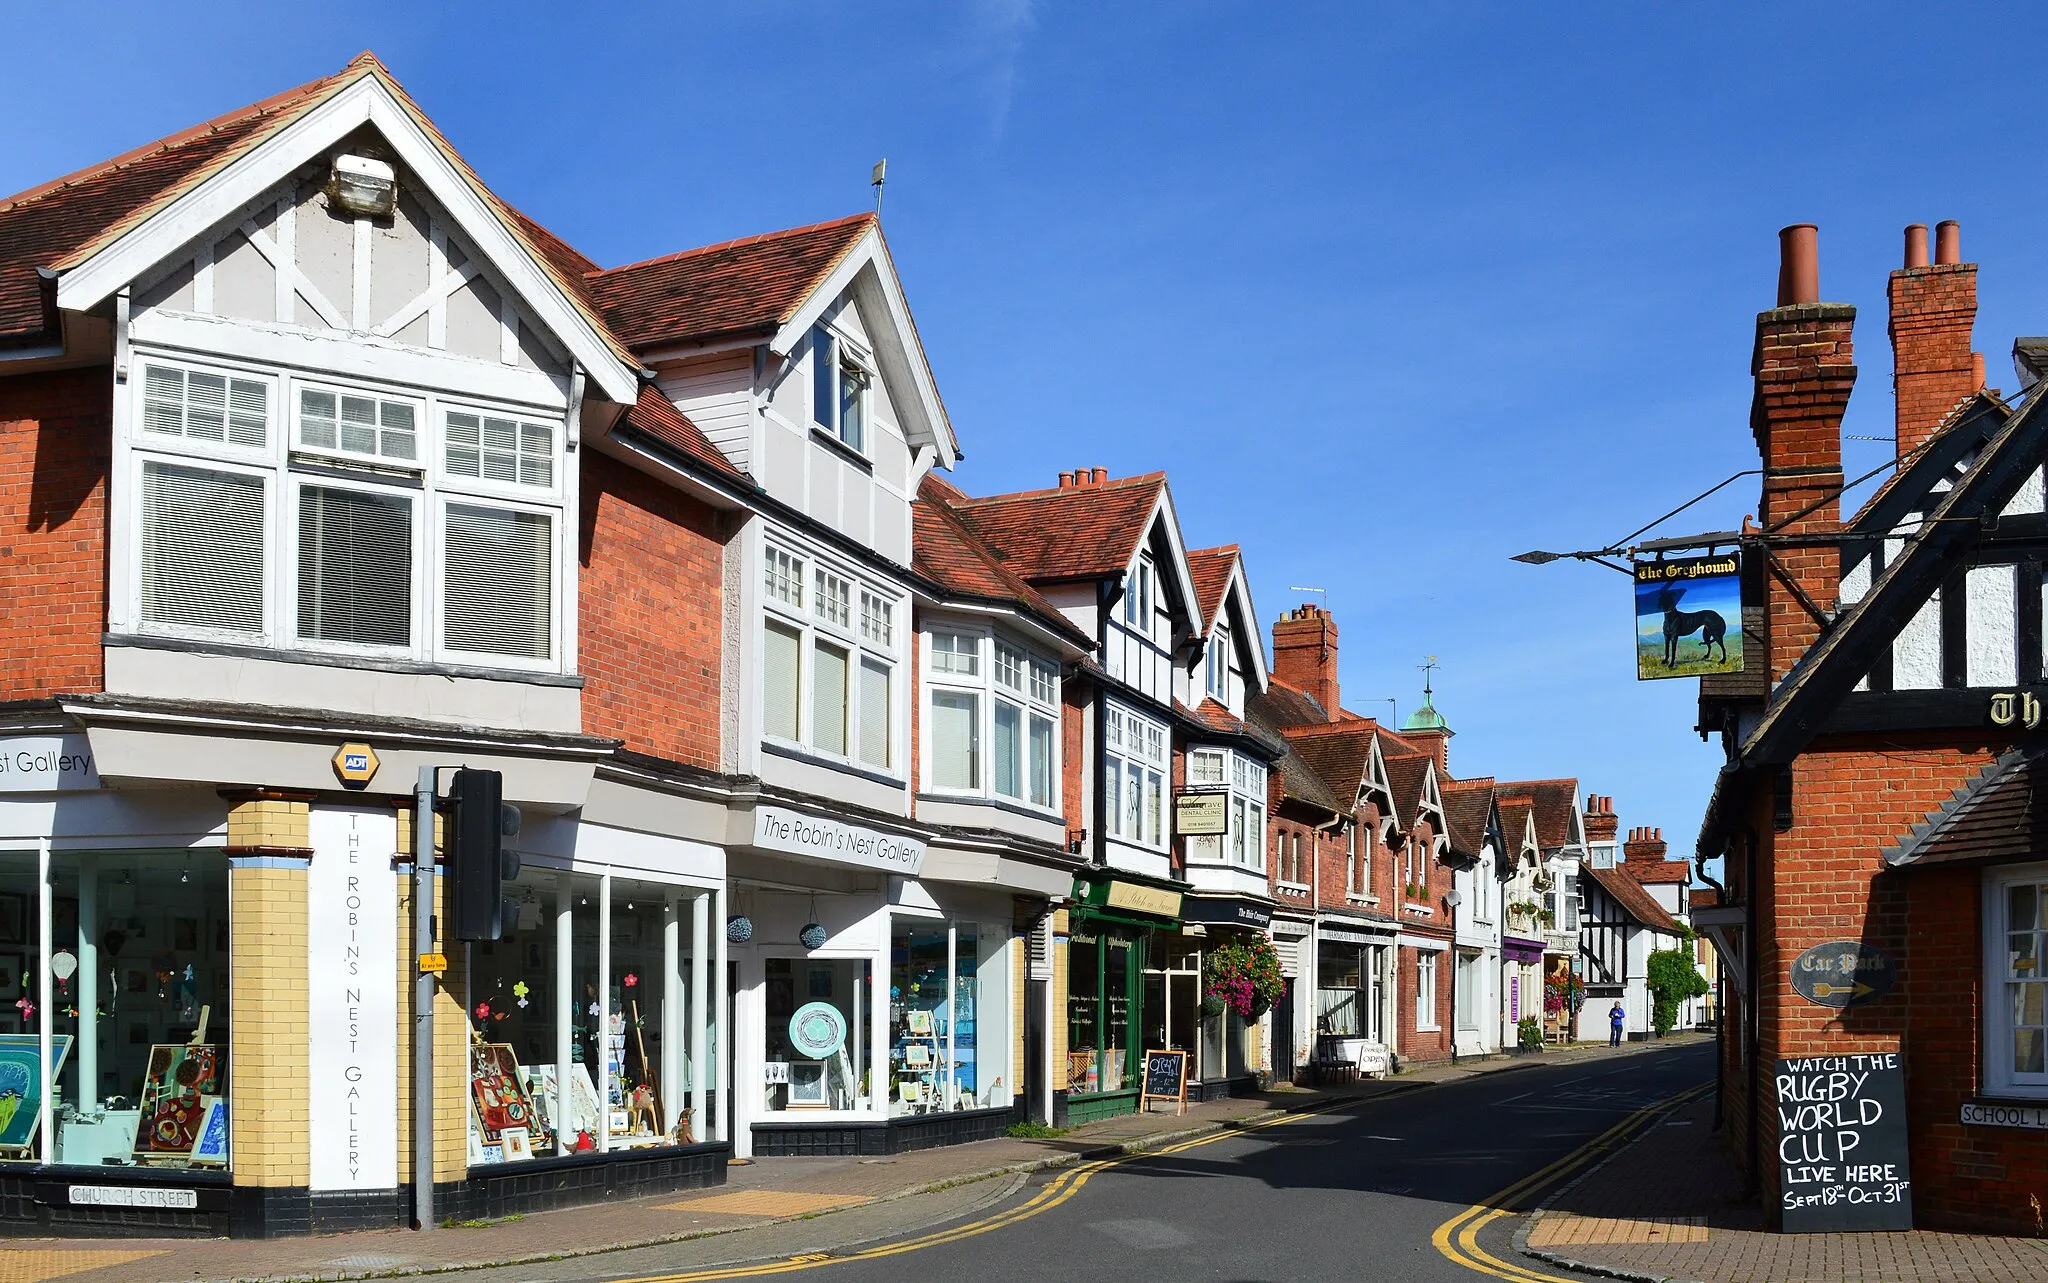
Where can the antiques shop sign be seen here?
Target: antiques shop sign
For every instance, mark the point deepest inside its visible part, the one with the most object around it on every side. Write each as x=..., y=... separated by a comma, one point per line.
x=1842, y=1144
x=778, y=830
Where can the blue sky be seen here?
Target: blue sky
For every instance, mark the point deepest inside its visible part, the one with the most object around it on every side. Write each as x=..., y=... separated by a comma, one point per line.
x=1393, y=292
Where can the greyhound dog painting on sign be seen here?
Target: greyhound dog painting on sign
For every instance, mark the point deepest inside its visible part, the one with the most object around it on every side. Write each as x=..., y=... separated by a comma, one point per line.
x=1688, y=617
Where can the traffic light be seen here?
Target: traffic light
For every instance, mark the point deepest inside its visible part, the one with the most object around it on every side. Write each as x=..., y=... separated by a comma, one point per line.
x=479, y=821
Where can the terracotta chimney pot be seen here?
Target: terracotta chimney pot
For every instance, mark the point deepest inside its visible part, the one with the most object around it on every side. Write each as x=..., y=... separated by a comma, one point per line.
x=1948, y=242
x=1798, y=265
x=1916, y=245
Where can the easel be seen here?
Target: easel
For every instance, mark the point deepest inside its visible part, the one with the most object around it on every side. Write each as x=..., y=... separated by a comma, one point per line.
x=1179, y=1095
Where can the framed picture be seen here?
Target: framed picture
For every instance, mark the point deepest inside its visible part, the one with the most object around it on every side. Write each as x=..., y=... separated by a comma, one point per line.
x=13, y=918
x=10, y=975
x=807, y=1084
x=185, y=934
x=919, y=1023
x=917, y=1056
x=21, y=1071
x=517, y=1146
x=821, y=982
x=175, y=1088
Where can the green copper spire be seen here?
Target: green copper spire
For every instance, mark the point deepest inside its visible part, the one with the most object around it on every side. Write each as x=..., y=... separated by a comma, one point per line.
x=1426, y=718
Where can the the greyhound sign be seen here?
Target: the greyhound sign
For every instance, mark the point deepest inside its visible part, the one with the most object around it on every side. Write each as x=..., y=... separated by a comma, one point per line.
x=1688, y=617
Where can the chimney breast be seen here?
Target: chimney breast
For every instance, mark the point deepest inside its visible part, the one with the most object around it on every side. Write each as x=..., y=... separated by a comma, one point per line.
x=1305, y=655
x=1933, y=312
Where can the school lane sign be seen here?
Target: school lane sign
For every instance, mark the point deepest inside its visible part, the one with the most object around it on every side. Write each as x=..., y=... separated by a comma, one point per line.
x=776, y=829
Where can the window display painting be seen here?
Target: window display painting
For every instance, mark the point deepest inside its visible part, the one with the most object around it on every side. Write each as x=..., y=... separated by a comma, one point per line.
x=211, y=1148
x=21, y=1086
x=501, y=1103
x=807, y=1084
x=182, y=1079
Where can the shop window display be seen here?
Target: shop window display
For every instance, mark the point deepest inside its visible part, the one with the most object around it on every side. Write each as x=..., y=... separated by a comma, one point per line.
x=817, y=1014
x=947, y=1052
x=135, y=1000
x=1102, y=979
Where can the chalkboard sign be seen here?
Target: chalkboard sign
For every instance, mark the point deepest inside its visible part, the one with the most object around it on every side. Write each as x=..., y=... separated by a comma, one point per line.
x=1166, y=1077
x=1842, y=1144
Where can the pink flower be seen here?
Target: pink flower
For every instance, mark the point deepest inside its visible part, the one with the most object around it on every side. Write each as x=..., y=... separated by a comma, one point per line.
x=483, y=1011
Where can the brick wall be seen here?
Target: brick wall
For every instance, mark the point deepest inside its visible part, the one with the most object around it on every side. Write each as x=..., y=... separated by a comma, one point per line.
x=267, y=1025
x=56, y=433
x=651, y=615
x=1933, y=310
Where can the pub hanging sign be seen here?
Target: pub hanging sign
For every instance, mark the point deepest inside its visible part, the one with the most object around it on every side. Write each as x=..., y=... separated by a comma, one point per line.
x=1688, y=617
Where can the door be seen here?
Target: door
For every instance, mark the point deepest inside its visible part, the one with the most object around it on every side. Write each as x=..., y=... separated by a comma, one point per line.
x=1283, y=1036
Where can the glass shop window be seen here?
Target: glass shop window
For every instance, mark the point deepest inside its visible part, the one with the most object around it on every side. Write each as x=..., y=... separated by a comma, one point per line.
x=817, y=1020
x=948, y=1052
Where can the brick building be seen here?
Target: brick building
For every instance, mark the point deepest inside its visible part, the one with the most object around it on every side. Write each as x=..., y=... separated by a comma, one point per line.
x=1878, y=790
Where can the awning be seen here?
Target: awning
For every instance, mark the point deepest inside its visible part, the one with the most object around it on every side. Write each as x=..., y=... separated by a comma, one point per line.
x=1129, y=897
x=1227, y=911
x=1516, y=950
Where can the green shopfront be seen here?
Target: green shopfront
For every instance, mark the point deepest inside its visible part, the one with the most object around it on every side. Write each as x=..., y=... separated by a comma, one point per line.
x=1110, y=933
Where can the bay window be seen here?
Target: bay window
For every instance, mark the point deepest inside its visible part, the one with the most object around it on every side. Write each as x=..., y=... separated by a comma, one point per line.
x=2015, y=989
x=827, y=659
x=988, y=690
x=1134, y=761
x=1244, y=778
x=356, y=529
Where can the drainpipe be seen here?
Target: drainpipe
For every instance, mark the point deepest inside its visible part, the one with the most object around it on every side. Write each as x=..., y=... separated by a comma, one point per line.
x=1753, y=1177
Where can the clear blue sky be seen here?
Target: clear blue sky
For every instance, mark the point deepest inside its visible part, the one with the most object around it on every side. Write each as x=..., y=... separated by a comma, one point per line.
x=1393, y=291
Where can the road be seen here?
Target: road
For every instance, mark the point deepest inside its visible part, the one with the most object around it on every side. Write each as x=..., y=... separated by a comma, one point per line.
x=1354, y=1192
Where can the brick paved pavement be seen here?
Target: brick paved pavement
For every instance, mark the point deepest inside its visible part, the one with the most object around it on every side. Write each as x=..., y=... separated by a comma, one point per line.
x=810, y=1186
x=1669, y=1207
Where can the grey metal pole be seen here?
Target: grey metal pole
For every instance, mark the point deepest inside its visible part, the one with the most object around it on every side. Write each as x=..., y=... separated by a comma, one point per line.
x=423, y=896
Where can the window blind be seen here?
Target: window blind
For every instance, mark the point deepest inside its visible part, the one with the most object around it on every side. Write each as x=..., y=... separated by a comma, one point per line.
x=1009, y=750
x=355, y=567
x=875, y=713
x=828, y=700
x=202, y=548
x=498, y=586
x=956, y=740
x=1041, y=761
x=210, y=407
x=779, y=647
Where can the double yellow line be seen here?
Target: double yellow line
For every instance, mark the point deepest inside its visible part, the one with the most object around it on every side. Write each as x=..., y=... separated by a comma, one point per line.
x=1458, y=1238
x=1058, y=1191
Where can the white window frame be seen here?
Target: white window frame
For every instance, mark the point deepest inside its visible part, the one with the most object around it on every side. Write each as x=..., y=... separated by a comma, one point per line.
x=286, y=468
x=813, y=623
x=1216, y=667
x=827, y=344
x=1425, y=991
x=1242, y=845
x=1028, y=697
x=1139, y=583
x=1142, y=745
x=1999, y=1077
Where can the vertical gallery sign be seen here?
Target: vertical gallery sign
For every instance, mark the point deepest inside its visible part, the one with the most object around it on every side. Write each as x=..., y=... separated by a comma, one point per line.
x=1688, y=617
x=352, y=1014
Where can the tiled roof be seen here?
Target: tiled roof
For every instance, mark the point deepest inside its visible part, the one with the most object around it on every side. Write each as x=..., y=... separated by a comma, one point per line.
x=654, y=415
x=947, y=552
x=1636, y=902
x=51, y=224
x=1404, y=777
x=1467, y=804
x=1284, y=705
x=1299, y=780
x=1557, y=804
x=1514, y=821
x=1703, y=897
x=1660, y=872
x=748, y=286
x=1076, y=532
x=1996, y=818
x=1221, y=720
x=1210, y=568
x=1338, y=760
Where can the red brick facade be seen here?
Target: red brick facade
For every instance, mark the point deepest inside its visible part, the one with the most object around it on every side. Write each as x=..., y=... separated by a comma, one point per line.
x=56, y=435
x=1933, y=310
x=650, y=614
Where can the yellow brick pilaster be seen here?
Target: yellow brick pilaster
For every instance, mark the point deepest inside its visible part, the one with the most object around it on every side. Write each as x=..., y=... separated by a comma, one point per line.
x=268, y=845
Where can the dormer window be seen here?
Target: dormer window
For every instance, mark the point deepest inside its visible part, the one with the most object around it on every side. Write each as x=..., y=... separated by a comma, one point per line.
x=1218, y=666
x=1138, y=597
x=839, y=386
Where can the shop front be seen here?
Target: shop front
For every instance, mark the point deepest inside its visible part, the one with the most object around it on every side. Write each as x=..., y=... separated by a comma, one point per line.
x=1114, y=930
x=1224, y=1047
x=1521, y=987
x=1351, y=998
x=875, y=1010
x=209, y=999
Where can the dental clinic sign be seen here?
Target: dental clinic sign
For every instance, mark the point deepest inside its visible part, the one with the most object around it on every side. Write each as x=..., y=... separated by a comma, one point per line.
x=46, y=764
x=778, y=830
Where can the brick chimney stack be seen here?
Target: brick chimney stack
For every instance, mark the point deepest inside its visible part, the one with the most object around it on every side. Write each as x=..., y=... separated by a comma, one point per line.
x=1933, y=311
x=1644, y=846
x=1805, y=368
x=1601, y=824
x=1305, y=654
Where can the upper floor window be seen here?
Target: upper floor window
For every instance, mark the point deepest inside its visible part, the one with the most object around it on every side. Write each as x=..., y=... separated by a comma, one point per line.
x=1138, y=597
x=495, y=449
x=839, y=385
x=1357, y=862
x=1134, y=776
x=823, y=685
x=240, y=538
x=1009, y=702
x=1243, y=843
x=1217, y=674
x=2016, y=988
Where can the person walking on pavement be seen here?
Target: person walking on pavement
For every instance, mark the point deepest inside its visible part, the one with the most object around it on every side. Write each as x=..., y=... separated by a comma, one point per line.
x=1615, y=1019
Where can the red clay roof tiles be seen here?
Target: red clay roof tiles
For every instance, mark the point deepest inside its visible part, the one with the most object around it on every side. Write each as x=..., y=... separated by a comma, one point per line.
x=1635, y=901
x=1557, y=803
x=658, y=418
x=945, y=550
x=1210, y=569
x=747, y=286
x=1078, y=532
x=1467, y=805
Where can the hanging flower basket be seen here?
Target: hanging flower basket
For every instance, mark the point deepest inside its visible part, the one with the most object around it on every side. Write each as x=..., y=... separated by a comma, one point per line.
x=1244, y=973
x=1213, y=1004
